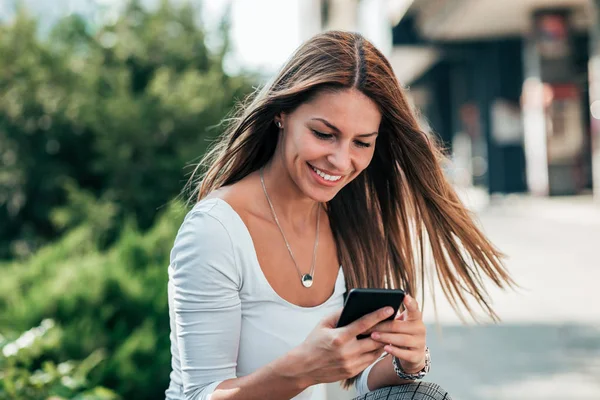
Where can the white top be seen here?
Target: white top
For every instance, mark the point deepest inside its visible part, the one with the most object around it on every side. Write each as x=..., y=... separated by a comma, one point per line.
x=226, y=320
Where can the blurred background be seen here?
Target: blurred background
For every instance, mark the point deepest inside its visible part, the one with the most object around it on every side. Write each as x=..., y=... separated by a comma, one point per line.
x=106, y=104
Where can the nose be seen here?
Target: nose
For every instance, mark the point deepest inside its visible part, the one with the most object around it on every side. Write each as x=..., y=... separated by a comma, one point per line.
x=340, y=158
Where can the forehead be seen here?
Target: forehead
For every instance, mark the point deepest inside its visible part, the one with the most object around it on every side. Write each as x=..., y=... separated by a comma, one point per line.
x=350, y=110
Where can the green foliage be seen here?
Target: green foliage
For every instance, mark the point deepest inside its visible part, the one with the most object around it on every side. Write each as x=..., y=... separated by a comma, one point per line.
x=116, y=109
x=111, y=302
x=23, y=377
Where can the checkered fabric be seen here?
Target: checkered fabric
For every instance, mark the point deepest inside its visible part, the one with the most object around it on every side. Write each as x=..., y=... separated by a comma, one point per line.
x=409, y=391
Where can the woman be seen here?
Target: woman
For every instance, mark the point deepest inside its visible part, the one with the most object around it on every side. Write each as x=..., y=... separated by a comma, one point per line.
x=323, y=183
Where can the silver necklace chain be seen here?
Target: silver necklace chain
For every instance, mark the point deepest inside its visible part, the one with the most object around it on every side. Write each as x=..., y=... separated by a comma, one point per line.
x=306, y=279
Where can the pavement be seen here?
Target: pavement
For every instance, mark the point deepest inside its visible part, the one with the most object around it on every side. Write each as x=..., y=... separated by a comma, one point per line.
x=548, y=343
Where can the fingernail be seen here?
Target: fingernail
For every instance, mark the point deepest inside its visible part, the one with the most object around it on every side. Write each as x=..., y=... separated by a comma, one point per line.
x=388, y=311
x=375, y=335
x=408, y=300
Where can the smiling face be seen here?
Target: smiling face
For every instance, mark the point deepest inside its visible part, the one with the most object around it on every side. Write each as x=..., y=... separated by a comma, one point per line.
x=329, y=141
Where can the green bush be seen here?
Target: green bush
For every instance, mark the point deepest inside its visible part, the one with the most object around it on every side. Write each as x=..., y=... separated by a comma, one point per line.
x=113, y=301
x=22, y=376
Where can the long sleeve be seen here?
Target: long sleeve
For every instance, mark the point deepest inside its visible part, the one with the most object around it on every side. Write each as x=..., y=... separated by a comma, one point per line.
x=205, y=280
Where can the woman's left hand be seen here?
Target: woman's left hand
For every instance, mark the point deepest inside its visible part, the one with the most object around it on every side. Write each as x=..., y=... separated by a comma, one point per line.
x=404, y=336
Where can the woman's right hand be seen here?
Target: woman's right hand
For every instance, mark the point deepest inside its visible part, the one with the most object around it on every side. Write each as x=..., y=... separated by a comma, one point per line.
x=331, y=354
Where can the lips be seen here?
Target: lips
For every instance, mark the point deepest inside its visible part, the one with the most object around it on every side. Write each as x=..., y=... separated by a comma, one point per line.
x=326, y=176
x=323, y=177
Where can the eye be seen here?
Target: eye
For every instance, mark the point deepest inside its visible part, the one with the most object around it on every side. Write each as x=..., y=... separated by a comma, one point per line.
x=362, y=144
x=321, y=135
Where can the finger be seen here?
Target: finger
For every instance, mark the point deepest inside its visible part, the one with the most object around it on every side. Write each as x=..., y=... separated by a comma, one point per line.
x=368, y=321
x=331, y=320
x=369, y=358
x=398, y=340
x=412, y=309
x=365, y=352
x=381, y=325
x=405, y=327
x=387, y=325
x=368, y=345
x=411, y=356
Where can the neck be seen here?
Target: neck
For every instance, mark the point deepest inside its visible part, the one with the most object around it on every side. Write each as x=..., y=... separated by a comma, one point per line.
x=291, y=205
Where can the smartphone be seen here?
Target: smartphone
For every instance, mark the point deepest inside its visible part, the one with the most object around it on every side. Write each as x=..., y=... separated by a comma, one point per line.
x=360, y=302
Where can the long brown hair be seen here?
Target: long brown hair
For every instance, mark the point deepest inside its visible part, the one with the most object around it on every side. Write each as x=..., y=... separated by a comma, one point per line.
x=400, y=208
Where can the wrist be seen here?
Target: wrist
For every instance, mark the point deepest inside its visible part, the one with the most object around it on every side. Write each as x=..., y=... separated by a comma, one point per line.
x=412, y=368
x=409, y=370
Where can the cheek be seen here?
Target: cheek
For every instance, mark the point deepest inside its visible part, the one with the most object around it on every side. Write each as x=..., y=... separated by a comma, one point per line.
x=363, y=159
x=307, y=148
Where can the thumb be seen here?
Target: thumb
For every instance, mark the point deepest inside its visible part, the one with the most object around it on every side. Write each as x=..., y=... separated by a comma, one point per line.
x=331, y=320
x=412, y=309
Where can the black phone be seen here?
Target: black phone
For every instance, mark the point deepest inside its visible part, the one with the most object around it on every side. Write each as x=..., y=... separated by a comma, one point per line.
x=360, y=302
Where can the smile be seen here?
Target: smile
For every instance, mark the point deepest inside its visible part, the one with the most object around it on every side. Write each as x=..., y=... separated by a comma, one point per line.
x=327, y=177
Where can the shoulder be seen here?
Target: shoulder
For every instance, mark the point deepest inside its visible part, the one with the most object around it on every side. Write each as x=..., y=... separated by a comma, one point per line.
x=210, y=221
x=212, y=214
x=204, y=243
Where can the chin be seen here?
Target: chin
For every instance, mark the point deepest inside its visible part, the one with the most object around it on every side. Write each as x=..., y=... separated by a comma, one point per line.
x=322, y=197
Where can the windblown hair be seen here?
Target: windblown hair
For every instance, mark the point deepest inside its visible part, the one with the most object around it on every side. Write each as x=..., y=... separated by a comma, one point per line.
x=399, y=209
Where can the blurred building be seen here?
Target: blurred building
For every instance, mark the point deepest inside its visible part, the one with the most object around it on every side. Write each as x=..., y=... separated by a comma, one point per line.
x=511, y=87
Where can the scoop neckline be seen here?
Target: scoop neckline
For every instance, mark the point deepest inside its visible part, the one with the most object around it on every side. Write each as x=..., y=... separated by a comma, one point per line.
x=262, y=274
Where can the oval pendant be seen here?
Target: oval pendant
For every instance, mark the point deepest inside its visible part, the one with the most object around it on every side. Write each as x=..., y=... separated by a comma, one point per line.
x=307, y=280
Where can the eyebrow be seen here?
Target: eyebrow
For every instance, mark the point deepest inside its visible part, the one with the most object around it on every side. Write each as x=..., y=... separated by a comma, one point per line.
x=335, y=128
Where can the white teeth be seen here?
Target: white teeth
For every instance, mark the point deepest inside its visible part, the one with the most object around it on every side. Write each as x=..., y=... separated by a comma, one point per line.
x=325, y=176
